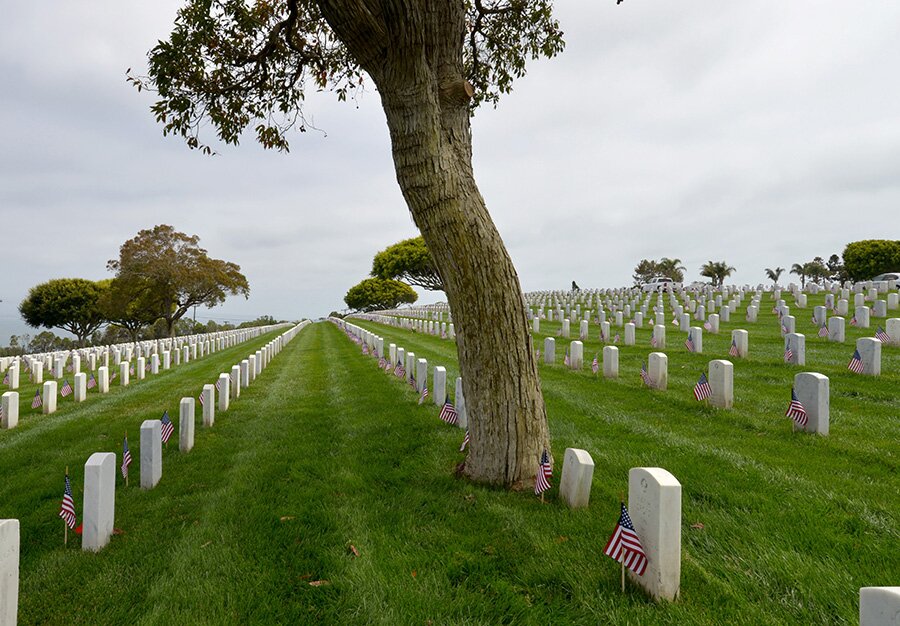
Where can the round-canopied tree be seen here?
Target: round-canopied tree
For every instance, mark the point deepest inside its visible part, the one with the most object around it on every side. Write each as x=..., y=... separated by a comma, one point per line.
x=373, y=294
x=409, y=261
x=173, y=273
x=72, y=304
x=239, y=65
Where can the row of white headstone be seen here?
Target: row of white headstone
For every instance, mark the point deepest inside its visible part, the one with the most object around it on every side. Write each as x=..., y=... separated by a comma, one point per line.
x=98, y=513
x=9, y=402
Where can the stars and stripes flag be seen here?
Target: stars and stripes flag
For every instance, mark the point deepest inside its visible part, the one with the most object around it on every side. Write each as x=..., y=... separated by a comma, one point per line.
x=733, y=350
x=702, y=389
x=449, y=414
x=855, y=365
x=167, y=427
x=399, y=372
x=853, y=321
x=595, y=365
x=465, y=442
x=815, y=322
x=541, y=481
x=707, y=325
x=674, y=321
x=200, y=398
x=784, y=329
x=823, y=331
x=6, y=378
x=625, y=546
x=381, y=362
x=92, y=382
x=882, y=336
x=37, y=402
x=796, y=411
x=67, y=508
x=537, y=355
x=365, y=348
x=218, y=385
x=617, y=338
x=66, y=388
x=131, y=369
x=566, y=360
x=126, y=458
x=645, y=375
x=689, y=342
x=788, y=353
x=653, y=340
x=424, y=393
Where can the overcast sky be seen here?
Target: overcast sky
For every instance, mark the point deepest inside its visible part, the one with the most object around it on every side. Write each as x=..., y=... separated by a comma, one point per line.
x=761, y=133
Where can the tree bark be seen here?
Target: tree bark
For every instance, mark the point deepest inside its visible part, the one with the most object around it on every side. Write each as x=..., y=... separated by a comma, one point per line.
x=419, y=76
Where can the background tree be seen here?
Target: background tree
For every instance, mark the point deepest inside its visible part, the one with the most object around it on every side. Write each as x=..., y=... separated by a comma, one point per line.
x=816, y=270
x=410, y=262
x=671, y=268
x=716, y=271
x=800, y=270
x=130, y=305
x=373, y=294
x=644, y=271
x=72, y=304
x=175, y=273
x=237, y=65
x=836, y=268
x=775, y=274
x=46, y=341
x=870, y=257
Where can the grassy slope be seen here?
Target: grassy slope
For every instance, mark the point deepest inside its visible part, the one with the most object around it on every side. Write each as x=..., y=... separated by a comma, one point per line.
x=324, y=450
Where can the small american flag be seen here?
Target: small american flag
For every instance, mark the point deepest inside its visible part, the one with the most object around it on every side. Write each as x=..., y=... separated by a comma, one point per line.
x=424, y=393
x=702, y=389
x=784, y=329
x=131, y=369
x=796, y=411
x=616, y=339
x=365, y=348
x=167, y=427
x=882, y=336
x=398, y=370
x=689, y=342
x=126, y=457
x=853, y=321
x=815, y=322
x=465, y=442
x=218, y=385
x=381, y=362
x=200, y=398
x=595, y=365
x=653, y=341
x=66, y=388
x=37, y=402
x=645, y=376
x=537, y=355
x=823, y=331
x=855, y=365
x=92, y=382
x=788, y=353
x=6, y=378
x=541, y=482
x=625, y=546
x=674, y=321
x=67, y=508
x=566, y=360
x=449, y=414
x=733, y=350
x=707, y=325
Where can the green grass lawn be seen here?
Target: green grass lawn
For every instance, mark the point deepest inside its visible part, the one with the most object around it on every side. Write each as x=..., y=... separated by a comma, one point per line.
x=325, y=454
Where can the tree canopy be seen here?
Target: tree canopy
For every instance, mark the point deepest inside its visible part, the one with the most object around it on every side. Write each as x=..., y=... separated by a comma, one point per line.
x=72, y=304
x=373, y=294
x=717, y=271
x=173, y=273
x=647, y=269
x=870, y=257
x=409, y=261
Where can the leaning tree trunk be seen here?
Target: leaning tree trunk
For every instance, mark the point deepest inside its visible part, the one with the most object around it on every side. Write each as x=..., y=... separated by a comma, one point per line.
x=425, y=100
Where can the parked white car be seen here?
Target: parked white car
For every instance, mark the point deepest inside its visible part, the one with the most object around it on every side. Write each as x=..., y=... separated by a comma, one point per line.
x=658, y=283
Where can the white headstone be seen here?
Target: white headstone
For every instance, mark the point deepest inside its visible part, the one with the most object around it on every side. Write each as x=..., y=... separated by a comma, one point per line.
x=659, y=333
x=224, y=393
x=629, y=334
x=9, y=410
x=79, y=387
x=577, y=474
x=186, y=425
x=99, y=500
x=610, y=362
x=421, y=374
x=654, y=505
x=245, y=373
x=870, y=353
x=576, y=355
x=251, y=368
x=151, y=453
x=721, y=382
x=658, y=369
x=892, y=328
x=9, y=571
x=123, y=373
x=166, y=360
x=209, y=404
x=836, y=329
x=696, y=337
x=549, y=350
x=460, y=404
x=862, y=316
x=139, y=367
x=812, y=391
x=439, y=385
x=235, y=381
x=797, y=343
x=878, y=606
x=49, y=397
x=565, y=327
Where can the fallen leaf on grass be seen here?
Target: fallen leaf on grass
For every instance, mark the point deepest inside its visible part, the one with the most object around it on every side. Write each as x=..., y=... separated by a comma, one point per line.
x=285, y=518
x=414, y=573
x=318, y=583
x=698, y=525
x=560, y=539
x=118, y=531
x=353, y=549
x=206, y=544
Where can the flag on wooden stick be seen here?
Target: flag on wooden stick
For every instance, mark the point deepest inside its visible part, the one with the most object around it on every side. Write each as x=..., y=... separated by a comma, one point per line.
x=541, y=481
x=625, y=546
x=796, y=411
